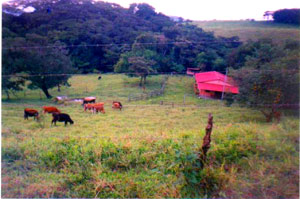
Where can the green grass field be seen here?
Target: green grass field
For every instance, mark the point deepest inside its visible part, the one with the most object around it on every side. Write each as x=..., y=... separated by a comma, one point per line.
x=146, y=150
x=252, y=30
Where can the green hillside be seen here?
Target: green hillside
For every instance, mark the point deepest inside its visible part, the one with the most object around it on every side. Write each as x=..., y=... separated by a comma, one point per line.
x=147, y=150
x=252, y=30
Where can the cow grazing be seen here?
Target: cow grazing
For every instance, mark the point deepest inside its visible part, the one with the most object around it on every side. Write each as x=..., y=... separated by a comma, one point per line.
x=88, y=106
x=88, y=100
x=99, y=77
x=117, y=105
x=99, y=108
x=31, y=113
x=91, y=106
x=50, y=109
x=61, y=117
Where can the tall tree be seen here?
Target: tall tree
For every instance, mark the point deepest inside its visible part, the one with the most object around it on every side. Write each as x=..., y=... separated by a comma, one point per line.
x=48, y=67
x=12, y=65
x=270, y=80
x=139, y=66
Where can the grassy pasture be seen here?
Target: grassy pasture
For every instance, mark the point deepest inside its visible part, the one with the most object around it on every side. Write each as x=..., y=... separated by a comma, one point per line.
x=146, y=150
x=252, y=30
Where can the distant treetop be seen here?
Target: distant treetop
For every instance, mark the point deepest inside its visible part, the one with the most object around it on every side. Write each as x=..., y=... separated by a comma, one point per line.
x=289, y=16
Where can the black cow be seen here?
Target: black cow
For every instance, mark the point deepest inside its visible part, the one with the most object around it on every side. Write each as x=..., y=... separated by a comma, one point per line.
x=99, y=77
x=88, y=100
x=61, y=117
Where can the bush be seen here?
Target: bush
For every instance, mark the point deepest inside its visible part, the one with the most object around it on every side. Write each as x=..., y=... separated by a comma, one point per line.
x=12, y=153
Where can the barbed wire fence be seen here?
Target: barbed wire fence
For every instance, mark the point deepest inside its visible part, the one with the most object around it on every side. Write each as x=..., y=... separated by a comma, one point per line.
x=147, y=95
x=188, y=99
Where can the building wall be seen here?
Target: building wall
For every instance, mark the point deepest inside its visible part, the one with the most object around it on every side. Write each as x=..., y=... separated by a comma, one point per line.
x=204, y=93
x=210, y=94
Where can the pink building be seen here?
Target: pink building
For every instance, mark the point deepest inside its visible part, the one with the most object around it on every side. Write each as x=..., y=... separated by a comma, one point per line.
x=212, y=84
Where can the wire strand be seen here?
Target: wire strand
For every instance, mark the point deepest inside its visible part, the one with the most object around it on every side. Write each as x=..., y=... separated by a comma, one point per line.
x=116, y=44
x=158, y=73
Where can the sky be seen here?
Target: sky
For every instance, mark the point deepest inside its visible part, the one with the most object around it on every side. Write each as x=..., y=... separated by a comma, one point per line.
x=213, y=9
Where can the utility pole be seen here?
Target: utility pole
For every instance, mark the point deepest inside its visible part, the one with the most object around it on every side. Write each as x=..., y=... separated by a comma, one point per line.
x=224, y=84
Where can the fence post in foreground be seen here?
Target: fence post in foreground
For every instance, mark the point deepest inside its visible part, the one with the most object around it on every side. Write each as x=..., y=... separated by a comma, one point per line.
x=206, y=140
x=184, y=99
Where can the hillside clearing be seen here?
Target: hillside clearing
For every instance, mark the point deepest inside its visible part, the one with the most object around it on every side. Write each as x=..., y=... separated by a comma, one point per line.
x=146, y=150
x=251, y=30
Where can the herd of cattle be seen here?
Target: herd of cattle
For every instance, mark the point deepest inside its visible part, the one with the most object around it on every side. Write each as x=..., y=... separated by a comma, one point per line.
x=89, y=103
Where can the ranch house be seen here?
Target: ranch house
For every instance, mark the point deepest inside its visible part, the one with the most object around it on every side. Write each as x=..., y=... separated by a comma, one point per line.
x=212, y=84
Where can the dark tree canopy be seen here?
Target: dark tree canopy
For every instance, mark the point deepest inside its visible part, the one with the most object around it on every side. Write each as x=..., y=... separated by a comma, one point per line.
x=269, y=77
x=41, y=66
x=53, y=61
x=289, y=16
x=95, y=33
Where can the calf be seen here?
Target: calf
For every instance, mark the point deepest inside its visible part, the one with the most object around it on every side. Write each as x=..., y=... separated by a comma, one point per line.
x=50, y=109
x=31, y=113
x=61, y=117
x=99, y=108
x=117, y=105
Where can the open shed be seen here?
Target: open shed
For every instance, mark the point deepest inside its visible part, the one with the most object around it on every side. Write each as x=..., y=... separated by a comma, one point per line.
x=192, y=71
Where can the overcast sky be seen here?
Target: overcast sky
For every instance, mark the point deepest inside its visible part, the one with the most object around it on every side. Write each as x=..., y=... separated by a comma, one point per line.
x=215, y=9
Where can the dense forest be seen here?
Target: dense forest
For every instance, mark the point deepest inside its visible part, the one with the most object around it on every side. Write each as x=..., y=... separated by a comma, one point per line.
x=84, y=36
x=99, y=35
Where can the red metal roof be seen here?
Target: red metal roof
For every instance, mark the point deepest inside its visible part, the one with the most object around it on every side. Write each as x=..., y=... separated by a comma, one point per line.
x=215, y=81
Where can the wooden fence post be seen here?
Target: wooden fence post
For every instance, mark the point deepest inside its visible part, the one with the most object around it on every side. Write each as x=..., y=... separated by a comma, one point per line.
x=206, y=140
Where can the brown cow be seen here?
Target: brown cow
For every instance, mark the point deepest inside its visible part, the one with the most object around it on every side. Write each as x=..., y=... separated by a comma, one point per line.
x=31, y=113
x=91, y=106
x=50, y=109
x=88, y=107
x=117, y=105
x=99, y=108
